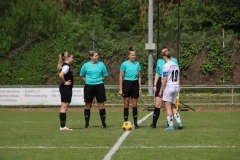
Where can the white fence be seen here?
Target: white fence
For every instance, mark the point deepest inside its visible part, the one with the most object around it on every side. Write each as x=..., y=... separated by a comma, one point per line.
x=198, y=95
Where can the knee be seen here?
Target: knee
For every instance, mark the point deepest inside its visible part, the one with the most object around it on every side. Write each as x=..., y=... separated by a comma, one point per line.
x=88, y=105
x=101, y=106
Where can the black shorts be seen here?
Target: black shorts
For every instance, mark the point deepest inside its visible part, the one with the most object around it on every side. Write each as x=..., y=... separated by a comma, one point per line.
x=66, y=94
x=91, y=91
x=159, y=85
x=130, y=89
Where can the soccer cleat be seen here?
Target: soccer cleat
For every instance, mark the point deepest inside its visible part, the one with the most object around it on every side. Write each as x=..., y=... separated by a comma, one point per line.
x=167, y=124
x=104, y=125
x=136, y=126
x=86, y=125
x=169, y=128
x=152, y=126
x=65, y=129
x=180, y=126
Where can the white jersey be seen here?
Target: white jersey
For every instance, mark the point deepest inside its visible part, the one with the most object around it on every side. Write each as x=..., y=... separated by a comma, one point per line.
x=171, y=70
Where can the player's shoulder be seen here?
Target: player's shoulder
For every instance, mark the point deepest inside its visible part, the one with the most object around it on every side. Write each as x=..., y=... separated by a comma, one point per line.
x=136, y=62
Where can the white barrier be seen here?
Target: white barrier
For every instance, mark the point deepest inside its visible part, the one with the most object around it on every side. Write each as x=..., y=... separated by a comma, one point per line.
x=37, y=96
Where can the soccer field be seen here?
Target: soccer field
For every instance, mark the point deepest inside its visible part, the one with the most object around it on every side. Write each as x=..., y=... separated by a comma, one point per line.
x=34, y=134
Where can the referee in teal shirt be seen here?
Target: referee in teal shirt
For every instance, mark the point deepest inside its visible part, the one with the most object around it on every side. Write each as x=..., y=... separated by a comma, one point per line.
x=93, y=74
x=130, y=85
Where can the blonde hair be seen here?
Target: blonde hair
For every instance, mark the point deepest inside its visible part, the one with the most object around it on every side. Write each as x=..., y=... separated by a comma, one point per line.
x=62, y=58
x=167, y=54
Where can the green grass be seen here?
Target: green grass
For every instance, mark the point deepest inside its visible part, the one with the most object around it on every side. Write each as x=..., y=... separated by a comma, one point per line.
x=35, y=135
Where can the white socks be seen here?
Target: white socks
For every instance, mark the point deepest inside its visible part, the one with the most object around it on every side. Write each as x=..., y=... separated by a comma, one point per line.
x=177, y=117
x=170, y=120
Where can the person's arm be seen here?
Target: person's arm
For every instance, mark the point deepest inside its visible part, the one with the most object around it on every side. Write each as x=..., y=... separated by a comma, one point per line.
x=121, y=81
x=61, y=76
x=105, y=72
x=84, y=79
x=164, y=82
x=140, y=83
x=65, y=69
x=83, y=73
x=155, y=82
x=179, y=83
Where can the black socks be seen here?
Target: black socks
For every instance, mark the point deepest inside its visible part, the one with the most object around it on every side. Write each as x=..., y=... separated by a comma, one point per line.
x=87, y=115
x=102, y=113
x=63, y=117
x=156, y=114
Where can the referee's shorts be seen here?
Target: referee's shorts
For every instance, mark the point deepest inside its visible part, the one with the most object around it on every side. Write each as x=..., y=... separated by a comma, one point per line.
x=130, y=89
x=91, y=91
x=159, y=85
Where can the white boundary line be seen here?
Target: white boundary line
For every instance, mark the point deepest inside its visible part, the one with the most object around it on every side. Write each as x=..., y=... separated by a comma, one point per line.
x=106, y=147
x=121, y=139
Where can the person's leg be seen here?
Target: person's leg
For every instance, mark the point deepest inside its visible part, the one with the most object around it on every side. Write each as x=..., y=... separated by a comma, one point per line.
x=156, y=111
x=158, y=104
x=126, y=108
x=102, y=113
x=89, y=91
x=66, y=96
x=177, y=116
x=135, y=112
x=87, y=113
x=101, y=98
x=168, y=106
x=62, y=114
x=174, y=110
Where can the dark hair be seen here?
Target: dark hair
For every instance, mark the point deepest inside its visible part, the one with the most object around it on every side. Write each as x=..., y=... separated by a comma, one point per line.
x=130, y=49
x=165, y=47
x=167, y=54
x=91, y=53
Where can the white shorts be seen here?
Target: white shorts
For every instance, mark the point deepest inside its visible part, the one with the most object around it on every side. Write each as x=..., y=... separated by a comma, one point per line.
x=170, y=94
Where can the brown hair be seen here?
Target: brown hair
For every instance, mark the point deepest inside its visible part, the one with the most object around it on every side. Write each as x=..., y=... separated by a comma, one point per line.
x=91, y=53
x=167, y=54
x=165, y=47
x=62, y=58
x=130, y=49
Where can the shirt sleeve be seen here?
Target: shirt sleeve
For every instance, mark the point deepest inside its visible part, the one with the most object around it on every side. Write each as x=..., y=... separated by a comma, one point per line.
x=65, y=69
x=83, y=71
x=165, y=71
x=122, y=68
x=139, y=67
x=105, y=72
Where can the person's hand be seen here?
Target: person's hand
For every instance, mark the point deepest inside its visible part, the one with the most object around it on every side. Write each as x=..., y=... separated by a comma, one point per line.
x=154, y=88
x=140, y=91
x=160, y=94
x=67, y=83
x=120, y=93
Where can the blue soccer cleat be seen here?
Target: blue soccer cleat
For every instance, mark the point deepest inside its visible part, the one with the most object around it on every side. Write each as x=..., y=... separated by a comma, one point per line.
x=169, y=128
x=180, y=126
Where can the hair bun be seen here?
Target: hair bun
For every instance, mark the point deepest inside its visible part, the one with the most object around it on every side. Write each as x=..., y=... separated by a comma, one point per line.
x=130, y=48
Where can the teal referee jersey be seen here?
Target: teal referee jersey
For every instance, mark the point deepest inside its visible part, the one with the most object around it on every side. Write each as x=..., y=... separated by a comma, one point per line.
x=130, y=70
x=94, y=72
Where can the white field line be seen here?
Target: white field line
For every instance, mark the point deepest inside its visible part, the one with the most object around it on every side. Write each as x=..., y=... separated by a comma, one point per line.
x=106, y=147
x=121, y=139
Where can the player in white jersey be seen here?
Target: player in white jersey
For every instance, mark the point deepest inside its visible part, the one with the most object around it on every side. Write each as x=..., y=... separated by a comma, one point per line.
x=169, y=90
